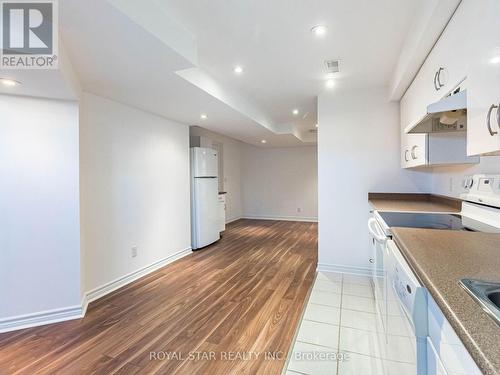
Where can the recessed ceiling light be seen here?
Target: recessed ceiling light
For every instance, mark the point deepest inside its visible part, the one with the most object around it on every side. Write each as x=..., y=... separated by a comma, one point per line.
x=203, y=116
x=330, y=83
x=319, y=30
x=495, y=60
x=317, y=125
x=238, y=69
x=263, y=141
x=295, y=112
x=9, y=82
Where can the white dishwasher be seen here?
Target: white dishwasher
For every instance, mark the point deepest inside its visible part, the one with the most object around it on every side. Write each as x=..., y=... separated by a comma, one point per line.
x=412, y=306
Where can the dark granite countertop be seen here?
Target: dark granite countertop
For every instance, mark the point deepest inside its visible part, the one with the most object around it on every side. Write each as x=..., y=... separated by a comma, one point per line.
x=440, y=258
x=414, y=202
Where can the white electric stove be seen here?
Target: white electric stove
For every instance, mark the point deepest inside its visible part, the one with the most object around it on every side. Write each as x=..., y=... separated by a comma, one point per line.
x=480, y=211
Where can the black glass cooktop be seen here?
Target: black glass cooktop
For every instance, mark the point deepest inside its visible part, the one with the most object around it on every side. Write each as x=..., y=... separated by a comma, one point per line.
x=435, y=221
x=420, y=220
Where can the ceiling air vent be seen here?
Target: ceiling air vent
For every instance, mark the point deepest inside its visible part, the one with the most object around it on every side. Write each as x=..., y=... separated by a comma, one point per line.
x=332, y=66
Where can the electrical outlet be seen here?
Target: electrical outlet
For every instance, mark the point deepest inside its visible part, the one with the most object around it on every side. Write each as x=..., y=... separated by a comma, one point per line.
x=299, y=209
x=134, y=251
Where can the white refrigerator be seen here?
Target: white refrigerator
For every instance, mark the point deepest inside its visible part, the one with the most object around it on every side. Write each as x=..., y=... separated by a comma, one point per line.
x=204, y=197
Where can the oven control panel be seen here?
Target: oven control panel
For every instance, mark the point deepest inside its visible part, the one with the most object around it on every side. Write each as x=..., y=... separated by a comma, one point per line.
x=483, y=189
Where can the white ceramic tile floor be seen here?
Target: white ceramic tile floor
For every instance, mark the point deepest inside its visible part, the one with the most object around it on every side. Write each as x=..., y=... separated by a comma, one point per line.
x=325, y=298
x=398, y=368
x=357, y=364
x=360, y=341
x=340, y=321
x=361, y=320
x=290, y=372
x=312, y=360
x=360, y=290
x=322, y=313
x=319, y=334
x=358, y=303
x=329, y=276
x=398, y=326
x=399, y=349
x=328, y=286
x=355, y=279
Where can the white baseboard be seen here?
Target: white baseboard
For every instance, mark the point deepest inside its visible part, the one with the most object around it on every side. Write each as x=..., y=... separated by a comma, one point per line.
x=282, y=218
x=234, y=219
x=41, y=318
x=78, y=311
x=113, y=285
x=361, y=271
x=85, y=304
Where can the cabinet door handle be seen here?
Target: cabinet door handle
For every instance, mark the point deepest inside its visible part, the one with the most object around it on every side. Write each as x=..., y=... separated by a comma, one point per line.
x=498, y=115
x=488, y=119
x=406, y=156
x=413, y=149
x=435, y=81
x=439, y=78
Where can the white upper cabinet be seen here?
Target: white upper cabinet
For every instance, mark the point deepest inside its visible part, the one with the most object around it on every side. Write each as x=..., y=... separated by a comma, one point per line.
x=418, y=150
x=443, y=70
x=468, y=55
x=414, y=151
x=483, y=92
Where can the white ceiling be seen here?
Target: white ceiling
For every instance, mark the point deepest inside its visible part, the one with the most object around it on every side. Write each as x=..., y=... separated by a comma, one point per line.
x=122, y=60
x=175, y=58
x=283, y=60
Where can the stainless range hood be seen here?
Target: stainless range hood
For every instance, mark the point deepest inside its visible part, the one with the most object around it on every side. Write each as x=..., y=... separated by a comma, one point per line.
x=447, y=115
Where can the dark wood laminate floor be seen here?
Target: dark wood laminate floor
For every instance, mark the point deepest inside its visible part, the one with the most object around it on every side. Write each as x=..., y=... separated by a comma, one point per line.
x=221, y=310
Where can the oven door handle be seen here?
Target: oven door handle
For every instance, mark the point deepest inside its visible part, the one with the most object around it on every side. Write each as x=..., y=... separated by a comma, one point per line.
x=376, y=231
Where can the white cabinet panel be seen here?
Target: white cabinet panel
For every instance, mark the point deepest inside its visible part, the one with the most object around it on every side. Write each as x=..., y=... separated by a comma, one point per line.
x=483, y=93
x=448, y=60
x=453, y=354
x=446, y=148
x=443, y=70
x=405, y=153
x=415, y=101
x=434, y=364
x=418, y=149
x=414, y=150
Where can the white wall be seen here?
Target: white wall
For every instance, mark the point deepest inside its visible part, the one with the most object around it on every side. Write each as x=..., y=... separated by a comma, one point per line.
x=449, y=180
x=231, y=155
x=280, y=182
x=39, y=205
x=267, y=182
x=134, y=189
x=358, y=148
